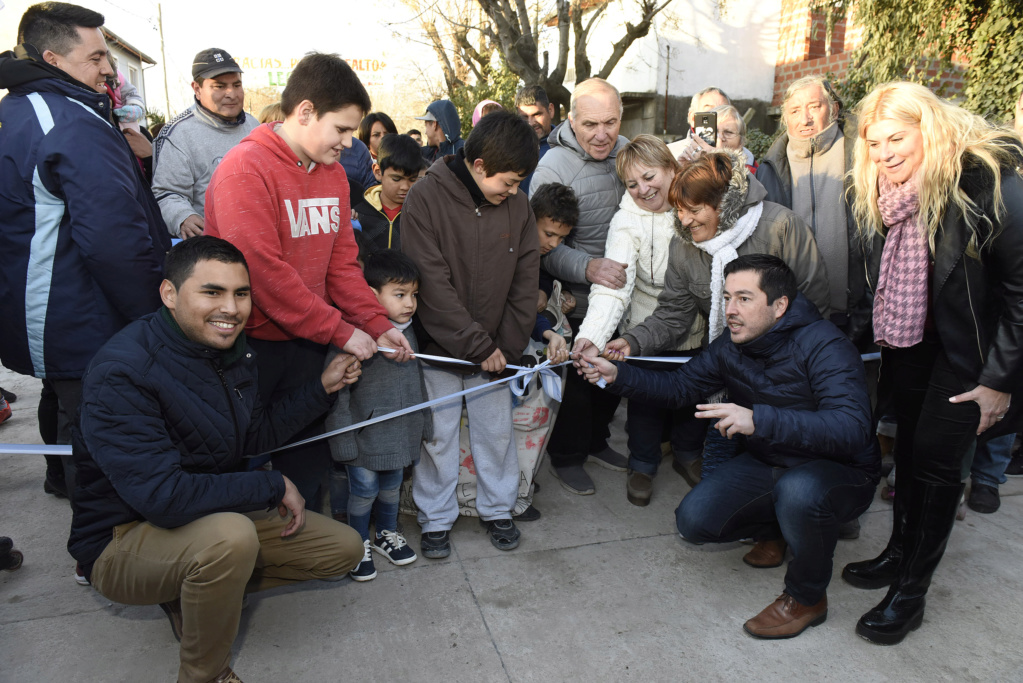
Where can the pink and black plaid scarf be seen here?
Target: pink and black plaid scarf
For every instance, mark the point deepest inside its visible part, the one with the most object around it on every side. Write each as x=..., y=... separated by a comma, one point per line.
x=900, y=304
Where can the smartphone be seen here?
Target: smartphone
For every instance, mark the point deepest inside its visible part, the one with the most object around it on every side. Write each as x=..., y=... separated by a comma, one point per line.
x=705, y=123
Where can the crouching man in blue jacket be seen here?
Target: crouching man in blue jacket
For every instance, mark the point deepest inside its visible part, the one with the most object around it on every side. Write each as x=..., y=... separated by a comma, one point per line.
x=809, y=460
x=165, y=511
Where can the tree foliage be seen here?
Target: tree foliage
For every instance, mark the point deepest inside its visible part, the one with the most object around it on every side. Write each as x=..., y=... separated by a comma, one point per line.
x=466, y=34
x=470, y=60
x=905, y=40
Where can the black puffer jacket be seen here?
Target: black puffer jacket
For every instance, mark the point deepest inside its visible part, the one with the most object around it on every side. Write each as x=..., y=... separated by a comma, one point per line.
x=164, y=425
x=978, y=302
x=804, y=381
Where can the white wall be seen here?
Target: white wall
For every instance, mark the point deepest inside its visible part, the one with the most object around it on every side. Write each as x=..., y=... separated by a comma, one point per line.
x=734, y=49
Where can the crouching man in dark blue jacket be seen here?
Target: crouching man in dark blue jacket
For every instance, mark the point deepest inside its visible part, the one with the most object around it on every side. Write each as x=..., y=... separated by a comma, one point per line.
x=799, y=403
x=165, y=511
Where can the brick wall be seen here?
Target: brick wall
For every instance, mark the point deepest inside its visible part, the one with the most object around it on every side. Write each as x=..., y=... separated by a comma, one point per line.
x=803, y=50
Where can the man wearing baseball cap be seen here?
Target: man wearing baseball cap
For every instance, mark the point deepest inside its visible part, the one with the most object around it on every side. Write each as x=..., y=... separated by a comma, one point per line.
x=443, y=130
x=189, y=148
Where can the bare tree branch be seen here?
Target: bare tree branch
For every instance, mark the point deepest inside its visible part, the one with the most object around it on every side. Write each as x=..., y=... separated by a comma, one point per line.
x=438, y=46
x=632, y=34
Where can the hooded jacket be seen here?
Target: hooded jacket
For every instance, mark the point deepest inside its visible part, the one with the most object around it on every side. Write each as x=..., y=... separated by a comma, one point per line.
x=598, y=189
x=294, y=227
x=639, y=239
x=377, y=228
x=686, y=290
x=165, y=423
x=775, y=174
x=480, y=267
x=82, y=242
x=447, y=118
x=803, y=379
x=185, y=154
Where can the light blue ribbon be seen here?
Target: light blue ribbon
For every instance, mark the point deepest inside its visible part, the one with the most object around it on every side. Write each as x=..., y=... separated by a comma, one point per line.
x=549, y=380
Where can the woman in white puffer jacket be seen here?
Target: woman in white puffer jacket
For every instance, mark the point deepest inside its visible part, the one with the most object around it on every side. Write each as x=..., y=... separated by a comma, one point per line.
x=638, y=237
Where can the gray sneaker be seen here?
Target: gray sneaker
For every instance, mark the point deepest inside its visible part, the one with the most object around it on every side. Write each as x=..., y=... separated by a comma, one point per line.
x=575, y=479
x=609, y=459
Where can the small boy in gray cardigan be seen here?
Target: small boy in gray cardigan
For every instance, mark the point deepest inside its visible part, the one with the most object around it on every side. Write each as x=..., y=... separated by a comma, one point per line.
x=376, y=455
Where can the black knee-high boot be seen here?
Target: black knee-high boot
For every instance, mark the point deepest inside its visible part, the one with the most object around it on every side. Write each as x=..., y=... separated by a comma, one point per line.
x=882, y=571
x=928, y=525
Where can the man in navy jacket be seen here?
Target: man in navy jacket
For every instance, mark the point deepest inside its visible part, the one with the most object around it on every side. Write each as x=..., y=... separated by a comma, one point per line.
x=165, y=512
x=809, y=460
x=81, y=237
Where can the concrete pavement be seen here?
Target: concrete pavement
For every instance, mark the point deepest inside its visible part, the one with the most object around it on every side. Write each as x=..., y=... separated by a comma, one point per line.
x=599, y=590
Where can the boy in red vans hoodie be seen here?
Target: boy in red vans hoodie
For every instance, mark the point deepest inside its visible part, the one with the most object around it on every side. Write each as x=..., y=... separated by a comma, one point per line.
x=281, y=198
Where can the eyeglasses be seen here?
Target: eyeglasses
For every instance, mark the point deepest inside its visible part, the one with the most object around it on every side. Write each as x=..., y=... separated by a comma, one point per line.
x=727, y=134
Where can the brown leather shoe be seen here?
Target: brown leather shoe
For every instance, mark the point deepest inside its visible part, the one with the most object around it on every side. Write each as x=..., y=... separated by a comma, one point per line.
x=638, y=488
x=227, y=676
x=766, y=554
x=786, y=618
x=690, y=471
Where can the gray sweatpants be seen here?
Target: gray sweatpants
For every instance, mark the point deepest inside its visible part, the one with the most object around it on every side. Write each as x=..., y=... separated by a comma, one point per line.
x=491, y=437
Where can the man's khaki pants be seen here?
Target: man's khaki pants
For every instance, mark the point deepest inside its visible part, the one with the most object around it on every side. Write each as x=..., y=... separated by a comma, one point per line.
x=210, y=563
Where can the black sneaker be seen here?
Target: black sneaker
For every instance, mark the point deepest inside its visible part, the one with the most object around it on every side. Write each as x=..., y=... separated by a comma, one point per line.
x=394, y=547
x=609, y=459
x=365, y=571
x=575, y=479
x=503, y=533
x=1015, y=468
x=436, y=545
x=984, y=499
x=8, y=396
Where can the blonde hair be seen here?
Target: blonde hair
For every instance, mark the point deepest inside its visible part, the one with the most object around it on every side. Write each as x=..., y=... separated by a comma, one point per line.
x=271, y=112
x=648, y=150
x=950, y=133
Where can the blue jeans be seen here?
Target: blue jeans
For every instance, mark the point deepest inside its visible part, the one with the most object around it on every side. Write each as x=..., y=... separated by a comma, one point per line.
x=650, y=423
x=748, y=498
x=647, y=422
x=366, y=486
x=990, y=460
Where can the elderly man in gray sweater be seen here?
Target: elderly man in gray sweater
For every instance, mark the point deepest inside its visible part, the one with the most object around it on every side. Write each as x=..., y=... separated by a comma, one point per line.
x=188, y=149
x=805, y=171
x=582, y=155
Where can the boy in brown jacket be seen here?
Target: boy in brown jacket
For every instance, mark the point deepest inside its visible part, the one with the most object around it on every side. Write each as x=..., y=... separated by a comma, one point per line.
x=474, y=240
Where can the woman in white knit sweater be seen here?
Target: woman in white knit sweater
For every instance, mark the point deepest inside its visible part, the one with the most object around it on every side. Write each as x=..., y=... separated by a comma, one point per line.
x=639, y=237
